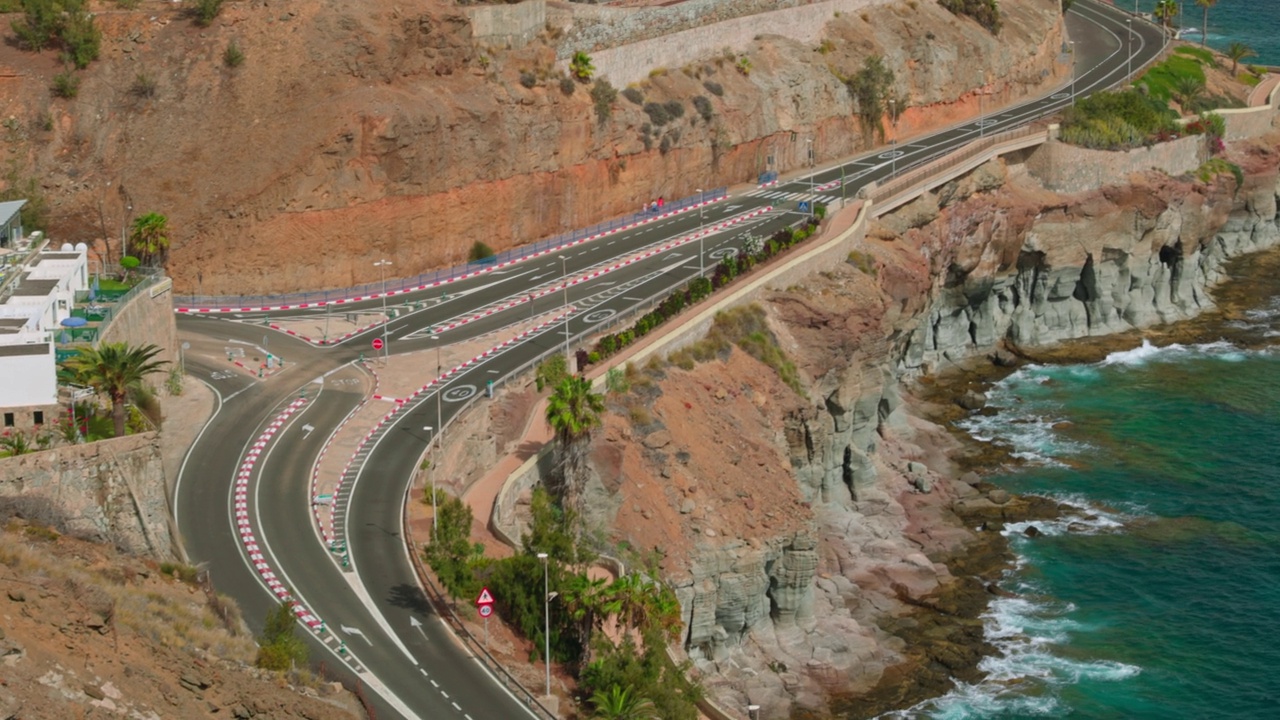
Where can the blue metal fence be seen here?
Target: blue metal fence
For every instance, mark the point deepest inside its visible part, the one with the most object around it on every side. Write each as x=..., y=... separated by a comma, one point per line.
x=400, y=284
x=768, y=177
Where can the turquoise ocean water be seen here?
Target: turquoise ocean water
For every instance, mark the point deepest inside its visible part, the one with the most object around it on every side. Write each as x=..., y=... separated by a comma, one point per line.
x=1160, y=596
x=1255, y=23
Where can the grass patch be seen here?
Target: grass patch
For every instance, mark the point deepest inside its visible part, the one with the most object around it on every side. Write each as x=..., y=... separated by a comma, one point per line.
x=1248, y=78
x=746, y=328
x=185, y=573
x=1204, y=55
x=1162, y=80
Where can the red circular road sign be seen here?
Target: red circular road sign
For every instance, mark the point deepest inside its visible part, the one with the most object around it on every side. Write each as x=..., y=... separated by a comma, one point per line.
x=486, y=610
x=377, y=343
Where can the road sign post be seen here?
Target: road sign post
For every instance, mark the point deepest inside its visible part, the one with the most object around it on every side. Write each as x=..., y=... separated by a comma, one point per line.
x=484, y=604
x=377, y=343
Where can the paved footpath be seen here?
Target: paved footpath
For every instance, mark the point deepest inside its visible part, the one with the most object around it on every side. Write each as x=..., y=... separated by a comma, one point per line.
x=1259, y=96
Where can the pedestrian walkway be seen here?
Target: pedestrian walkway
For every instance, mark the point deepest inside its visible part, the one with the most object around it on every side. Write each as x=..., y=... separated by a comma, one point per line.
x=1262, y=92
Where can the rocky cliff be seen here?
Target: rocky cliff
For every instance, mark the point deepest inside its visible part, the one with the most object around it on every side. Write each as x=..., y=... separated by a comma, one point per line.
x=357, y=131
x=813, y=539
x=110, y=491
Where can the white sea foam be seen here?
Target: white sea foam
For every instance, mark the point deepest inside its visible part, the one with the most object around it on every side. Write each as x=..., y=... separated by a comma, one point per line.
x=1022, y=680
x=1147, y=352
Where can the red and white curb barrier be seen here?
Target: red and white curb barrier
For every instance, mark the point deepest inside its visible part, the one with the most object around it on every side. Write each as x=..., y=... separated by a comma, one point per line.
x=438, y=283
x=828, y=186
x=401, y=402
x=530, y=297
x=325, y=537
x=771, y=183
x=245, y=529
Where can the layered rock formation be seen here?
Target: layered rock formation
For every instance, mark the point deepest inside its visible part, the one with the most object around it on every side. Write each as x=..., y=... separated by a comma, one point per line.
x=358, y=131
x=797, y=530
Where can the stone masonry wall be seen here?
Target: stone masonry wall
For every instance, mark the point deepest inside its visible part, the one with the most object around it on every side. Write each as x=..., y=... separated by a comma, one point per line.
x=148, y=320
x=1067, y=168
x=625, y=51
x=109, y=491
x=509, y=25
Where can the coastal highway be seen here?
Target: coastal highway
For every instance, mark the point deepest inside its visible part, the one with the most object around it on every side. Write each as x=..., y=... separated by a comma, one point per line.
x=409, y=664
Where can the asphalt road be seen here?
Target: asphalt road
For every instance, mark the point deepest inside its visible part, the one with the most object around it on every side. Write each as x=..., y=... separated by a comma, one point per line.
x=407, y=660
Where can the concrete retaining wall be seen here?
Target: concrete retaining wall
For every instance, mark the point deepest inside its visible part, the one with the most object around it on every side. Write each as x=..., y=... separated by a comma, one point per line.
x=627, y=47
x=508, y=25
x=1067, y=168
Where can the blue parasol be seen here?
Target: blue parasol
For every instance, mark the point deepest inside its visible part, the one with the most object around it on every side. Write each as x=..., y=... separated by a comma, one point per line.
x=74, y=322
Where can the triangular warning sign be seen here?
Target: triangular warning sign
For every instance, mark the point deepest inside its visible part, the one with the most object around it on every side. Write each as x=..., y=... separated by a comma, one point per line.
x=486, y=598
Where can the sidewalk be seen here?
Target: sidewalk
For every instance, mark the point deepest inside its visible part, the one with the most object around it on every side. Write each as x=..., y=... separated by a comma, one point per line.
x=1258, y=97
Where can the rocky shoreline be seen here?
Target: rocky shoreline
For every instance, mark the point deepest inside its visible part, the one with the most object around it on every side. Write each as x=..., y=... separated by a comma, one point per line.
x=943, y=633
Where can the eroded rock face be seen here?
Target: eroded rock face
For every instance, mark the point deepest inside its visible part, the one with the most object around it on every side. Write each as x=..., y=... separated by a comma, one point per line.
x=1009, y=268
x=792, y=614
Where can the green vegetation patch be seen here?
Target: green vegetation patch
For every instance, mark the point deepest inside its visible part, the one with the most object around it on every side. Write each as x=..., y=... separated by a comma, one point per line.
x=985, y=12
x=1163, y=79
x=1204, y=55
x=1118, y=120
x=746, y=328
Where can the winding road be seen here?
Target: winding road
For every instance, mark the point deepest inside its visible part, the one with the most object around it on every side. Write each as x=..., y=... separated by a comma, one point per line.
x=248, y=473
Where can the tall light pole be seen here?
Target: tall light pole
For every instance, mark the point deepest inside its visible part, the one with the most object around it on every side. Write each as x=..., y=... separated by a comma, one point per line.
x=546, y=618
x=702, y=261
x=435, y=337
x=386, y=320
x=1072, y=43
x=564, y=272
x=432, y=472
x=1128, y=73
x=813, y=195
x=893, y=143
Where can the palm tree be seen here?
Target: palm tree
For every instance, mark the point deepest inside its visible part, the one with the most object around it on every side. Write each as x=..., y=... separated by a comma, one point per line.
x=586, y=601
x=618, y=703
x=573, y=411
x=1188, y=91
x=114, y=369
x=1204, y=29
x=1238, y=51
x=1165, y=11
x=150, y=236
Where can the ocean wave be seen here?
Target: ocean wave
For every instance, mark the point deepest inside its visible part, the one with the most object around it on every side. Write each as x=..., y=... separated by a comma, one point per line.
x=1027, y=435
x=1083, y=518
x=1022, y=679
x=1146, y=352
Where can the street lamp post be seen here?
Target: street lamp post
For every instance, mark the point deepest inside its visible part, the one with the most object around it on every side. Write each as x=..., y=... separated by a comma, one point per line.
x=546, y=619
x=893, y=143
x=1072, y=43
x=564, y=272
x=702, y=263
x=1128, y=72
x=432, y=472
x=813, y=194
x=386, y=320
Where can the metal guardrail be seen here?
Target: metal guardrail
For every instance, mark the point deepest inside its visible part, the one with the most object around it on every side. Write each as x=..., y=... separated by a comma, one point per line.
x=402, y=284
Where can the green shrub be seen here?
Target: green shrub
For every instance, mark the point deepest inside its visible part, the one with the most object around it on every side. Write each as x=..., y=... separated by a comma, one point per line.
x=233, y=56
x=1204, y=55
x=714, y=88
x=580, y=66
x=528, y=79
x=674, y=108
x=634, y=94
x=279, y=648
x=205, y=11
x=985, y=12
x=66, y=84
x=1162, y=79
x=657, y=113
x=566, y=85
x=144, y=86
x=1117, y=120
x=81, y=39
x=870, y=88
x=552, y=371
x=480, y=251
x=603, y=96
x=703, y=105
x=179, y=571
x=1217, y=166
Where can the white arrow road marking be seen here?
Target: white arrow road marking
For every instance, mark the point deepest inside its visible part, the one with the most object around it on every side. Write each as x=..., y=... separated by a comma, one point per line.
x=306, y=429
x=356, y=631
x=417, y=624
x=731, y=208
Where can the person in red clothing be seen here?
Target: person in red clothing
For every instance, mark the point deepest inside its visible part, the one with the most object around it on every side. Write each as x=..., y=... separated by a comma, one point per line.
x=660, y=203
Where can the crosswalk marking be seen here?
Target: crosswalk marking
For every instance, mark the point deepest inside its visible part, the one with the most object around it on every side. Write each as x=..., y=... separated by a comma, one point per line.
x=798, y=196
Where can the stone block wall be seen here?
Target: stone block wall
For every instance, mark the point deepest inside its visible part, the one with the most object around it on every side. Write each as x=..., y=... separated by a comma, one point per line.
x=110, y=491
x=508, y=25
x=1067, y=168
x=625, y=48
x=148, y=319
x=1248, y=123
